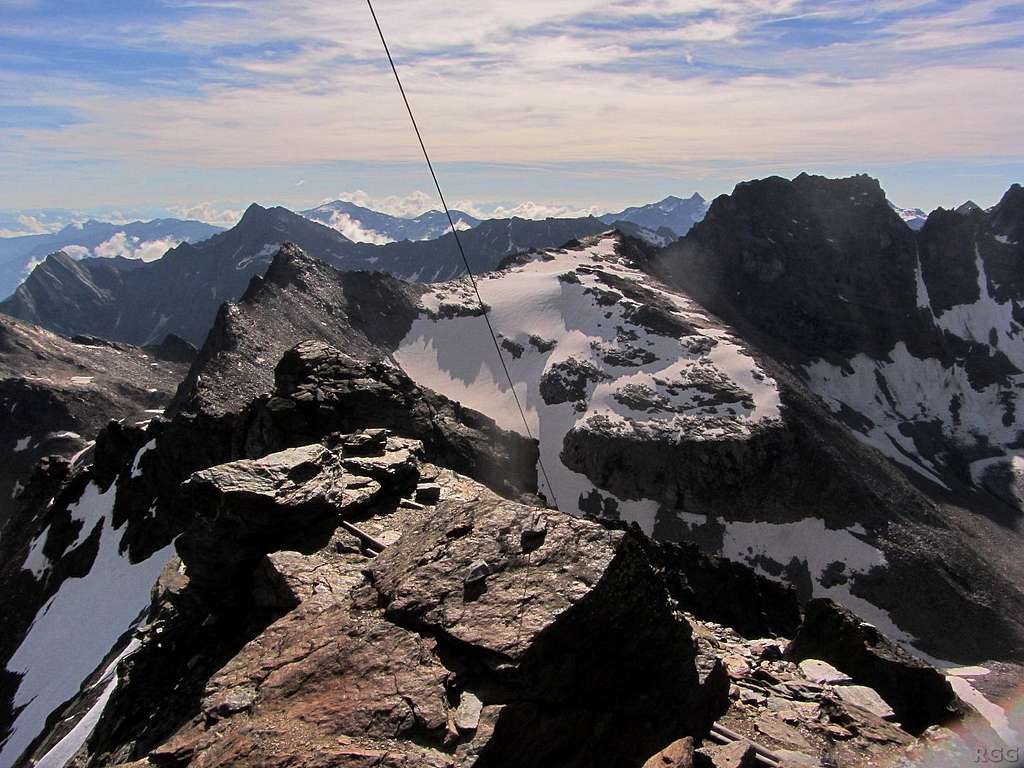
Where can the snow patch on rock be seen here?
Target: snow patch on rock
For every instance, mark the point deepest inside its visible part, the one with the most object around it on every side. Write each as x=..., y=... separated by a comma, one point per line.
x=100, y=607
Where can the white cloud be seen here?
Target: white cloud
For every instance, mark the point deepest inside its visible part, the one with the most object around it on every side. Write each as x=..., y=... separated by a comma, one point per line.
x=120, y=244
x=405, y=206
x=32, y=264
x=151, y=250
x=208, y=213
x=30, y=225
x=353, y=230
x=76, y=251
x=417, y=203
x=575, y=82
x=525, y=210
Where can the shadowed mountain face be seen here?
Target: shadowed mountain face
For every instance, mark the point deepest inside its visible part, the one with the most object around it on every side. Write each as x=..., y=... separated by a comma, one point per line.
x=299, y=297
x=914, y=340
x=139, y=303
x=56, y=394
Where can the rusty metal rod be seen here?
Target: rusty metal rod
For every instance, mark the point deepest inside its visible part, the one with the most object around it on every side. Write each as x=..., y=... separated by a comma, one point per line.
x=374, y=545
x=725, y=735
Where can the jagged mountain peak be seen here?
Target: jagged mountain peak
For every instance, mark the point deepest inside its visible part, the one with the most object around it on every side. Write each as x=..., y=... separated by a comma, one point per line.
x=289, y=262
x=253, y=212
x=648, y=409
x=298, y=297
x=968, y=208
x=1008, y=215
x=673, y=214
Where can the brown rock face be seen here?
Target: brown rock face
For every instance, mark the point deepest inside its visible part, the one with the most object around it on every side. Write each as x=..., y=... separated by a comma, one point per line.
x=678, y=754
x=918, y=693
x=565, y=615
x=320, y=389
x=490, y=633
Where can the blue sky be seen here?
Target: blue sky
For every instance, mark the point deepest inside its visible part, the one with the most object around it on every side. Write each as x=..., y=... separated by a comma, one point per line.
x=197, y=107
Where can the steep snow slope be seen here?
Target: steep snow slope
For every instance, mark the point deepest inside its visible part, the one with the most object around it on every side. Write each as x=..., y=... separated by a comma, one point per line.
x=80, y=624
x=595, y=348
x=581, y=353
x=939, y=417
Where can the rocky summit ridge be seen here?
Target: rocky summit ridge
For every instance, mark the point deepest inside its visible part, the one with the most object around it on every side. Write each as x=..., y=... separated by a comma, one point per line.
x=358, y=562
x=347, y=599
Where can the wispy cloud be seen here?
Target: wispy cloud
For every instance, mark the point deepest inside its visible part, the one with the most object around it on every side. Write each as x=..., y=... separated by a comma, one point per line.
x=208, y=213
x=353, y=230
x=221, y=86
x=419, y=202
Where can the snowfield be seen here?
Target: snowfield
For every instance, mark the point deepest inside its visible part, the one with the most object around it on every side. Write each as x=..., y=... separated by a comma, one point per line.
x=78, y=627
x=638, y=379
x=906, y=391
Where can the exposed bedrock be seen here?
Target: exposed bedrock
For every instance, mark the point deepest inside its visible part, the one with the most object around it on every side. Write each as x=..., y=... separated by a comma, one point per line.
x=491, y=633
x=919, y=694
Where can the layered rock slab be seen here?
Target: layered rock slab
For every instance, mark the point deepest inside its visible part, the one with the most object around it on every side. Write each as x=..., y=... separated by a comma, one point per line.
x=489, y=633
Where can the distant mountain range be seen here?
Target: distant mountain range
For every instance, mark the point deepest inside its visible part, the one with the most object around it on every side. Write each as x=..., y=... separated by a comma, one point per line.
x=914, y=217
x=368, y=226
x=659, y=222
x=346, y=235
x=146, y=240
x=673, y=213
x=140, y=302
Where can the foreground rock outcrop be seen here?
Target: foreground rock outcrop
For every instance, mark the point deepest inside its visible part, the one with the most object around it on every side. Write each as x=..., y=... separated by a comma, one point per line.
x=119, y=512
x=490, y=633
x=919, y=695
x=336, y=595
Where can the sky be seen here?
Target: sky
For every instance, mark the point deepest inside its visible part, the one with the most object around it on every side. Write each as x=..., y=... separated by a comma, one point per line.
x=198, y=107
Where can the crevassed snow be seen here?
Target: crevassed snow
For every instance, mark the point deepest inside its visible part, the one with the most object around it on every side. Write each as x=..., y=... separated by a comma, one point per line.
x=77, y=627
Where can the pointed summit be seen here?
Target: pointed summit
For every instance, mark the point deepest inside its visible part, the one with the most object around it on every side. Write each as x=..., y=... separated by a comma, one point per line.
x=675, y=214
x=968, y=208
